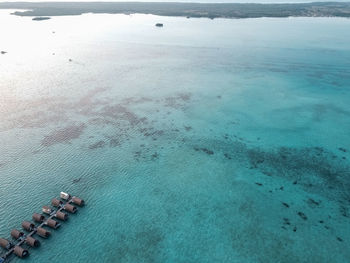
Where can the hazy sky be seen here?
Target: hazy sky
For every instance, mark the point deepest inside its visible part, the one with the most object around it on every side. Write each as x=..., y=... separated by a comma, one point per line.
x=202, y=1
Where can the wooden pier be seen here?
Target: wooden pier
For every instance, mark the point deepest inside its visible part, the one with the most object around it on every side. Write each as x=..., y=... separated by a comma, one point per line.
x=65, y=205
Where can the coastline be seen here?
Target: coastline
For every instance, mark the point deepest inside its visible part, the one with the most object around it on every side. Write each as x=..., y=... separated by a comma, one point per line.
x=179, y=9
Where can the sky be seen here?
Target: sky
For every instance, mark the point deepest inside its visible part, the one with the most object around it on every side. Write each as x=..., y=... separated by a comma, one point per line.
x=190, y=1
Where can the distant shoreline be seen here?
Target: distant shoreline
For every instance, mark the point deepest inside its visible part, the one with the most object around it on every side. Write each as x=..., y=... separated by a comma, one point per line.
x=208, y=10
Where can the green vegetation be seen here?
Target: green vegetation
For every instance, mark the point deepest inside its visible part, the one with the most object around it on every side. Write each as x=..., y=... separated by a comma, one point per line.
x=231, y=10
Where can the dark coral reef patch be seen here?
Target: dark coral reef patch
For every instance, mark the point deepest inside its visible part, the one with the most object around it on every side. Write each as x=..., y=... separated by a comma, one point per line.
x=64, y=135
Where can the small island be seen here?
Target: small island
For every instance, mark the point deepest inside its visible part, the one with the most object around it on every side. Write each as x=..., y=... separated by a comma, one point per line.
x=40, y=18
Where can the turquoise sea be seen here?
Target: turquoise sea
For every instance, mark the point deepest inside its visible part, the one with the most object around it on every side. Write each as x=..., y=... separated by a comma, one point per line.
x=202, y=141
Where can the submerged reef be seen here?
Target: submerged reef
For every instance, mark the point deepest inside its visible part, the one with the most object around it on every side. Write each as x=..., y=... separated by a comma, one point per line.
x=64, y=135
x=258, y=174
x=312, y=168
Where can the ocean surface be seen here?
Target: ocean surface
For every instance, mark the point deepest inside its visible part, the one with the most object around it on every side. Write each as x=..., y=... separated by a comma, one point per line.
x=202, y=141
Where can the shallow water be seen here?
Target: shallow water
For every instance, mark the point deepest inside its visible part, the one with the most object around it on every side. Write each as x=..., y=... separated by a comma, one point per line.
x=203, y=141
